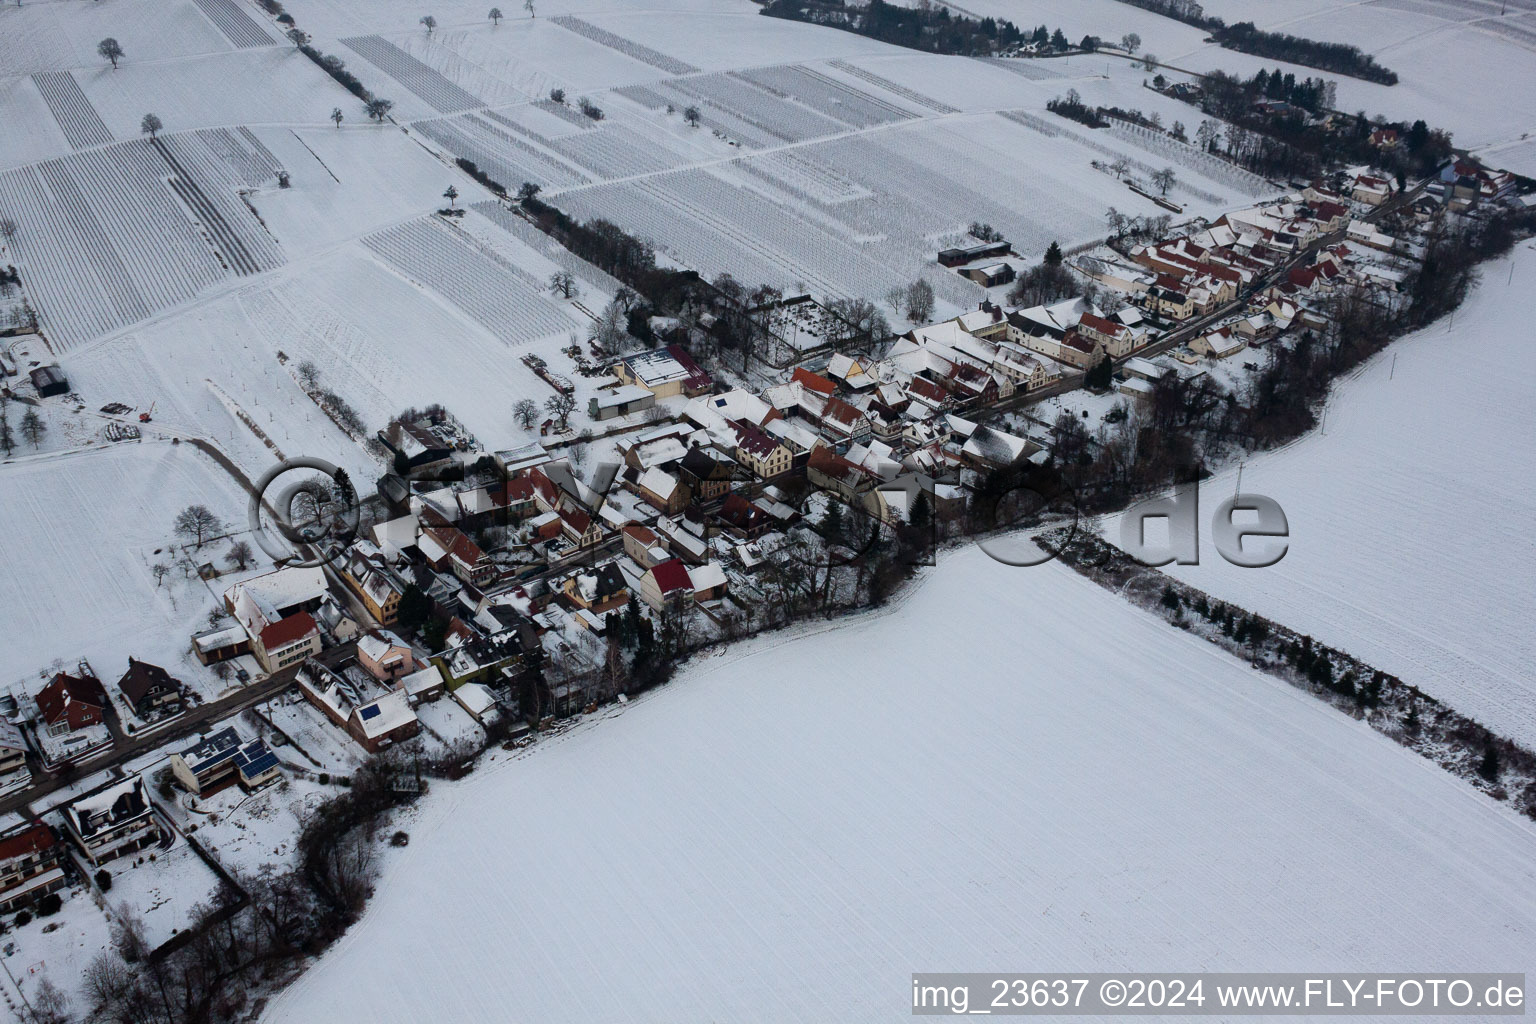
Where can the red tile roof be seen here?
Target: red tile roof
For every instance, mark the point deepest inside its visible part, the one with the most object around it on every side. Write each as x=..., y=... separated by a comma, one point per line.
x=1103, y=326
x=286, y=631
x=34, y=840
x=812, y=381
x=671, y=575
x=78, y=699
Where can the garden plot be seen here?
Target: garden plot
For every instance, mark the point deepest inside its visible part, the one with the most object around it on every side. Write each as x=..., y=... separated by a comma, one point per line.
x=644, y=54
x=894, y=88
x=31, y=132
x=1153, y=780
x=497, y=148
x=346, y=182
x=384, y=345
x=104, y=241
x=729, y=37
x=1414, y=555
x=238, y=27
x=538, y=241
x=434, y=89
x=739, y=100
x=261, y=86
x=504, y=299
x=79, y=534
x=617, y=151
x=826, y=95
x=57, y=36
x=165, y=892
x=81, y=125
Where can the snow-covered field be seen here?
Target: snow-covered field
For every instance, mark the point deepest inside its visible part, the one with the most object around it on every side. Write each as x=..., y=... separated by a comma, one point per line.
x=1463, y=65
x=80, y=534
x=1412, y=517
x=788, y=831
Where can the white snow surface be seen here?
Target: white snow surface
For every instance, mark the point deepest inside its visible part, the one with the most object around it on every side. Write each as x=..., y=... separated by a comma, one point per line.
x=787, y=831
x=1412, y=518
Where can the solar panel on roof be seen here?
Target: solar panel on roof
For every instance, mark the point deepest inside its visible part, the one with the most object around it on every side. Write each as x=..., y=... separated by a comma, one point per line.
x=370, y=711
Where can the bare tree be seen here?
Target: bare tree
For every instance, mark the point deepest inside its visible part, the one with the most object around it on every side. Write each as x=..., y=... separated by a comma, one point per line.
x=309, y=375
x=526, y=412
x=239, y=555
x=111, y=49
x=379, y=109
x=895, y=297
x=1149, y=61
x=33, y=428
x=337, y=116
x=495, y=16
x=7, y=438
x=151, y=125
x=560, y=406
x=528, y=6
x=1130, y=42
x=430, y=22
x=7, y=228
x=562, y=283
x=1164, y=179
x=691, y=115
x=557, y=96
x=296, y=37
x=159, y=571
x=49, y=1004
x=197, y=522
x=919, y=300
x=451, y=194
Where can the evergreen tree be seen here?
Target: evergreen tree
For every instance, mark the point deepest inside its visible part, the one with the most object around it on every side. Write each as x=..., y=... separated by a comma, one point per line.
x=414, y=607
x=1411, y=720
x=920, y=514
x=1170, y=597
x=1053, y=255
x=1488, y=767
x=832, y=523
x=1321, y=670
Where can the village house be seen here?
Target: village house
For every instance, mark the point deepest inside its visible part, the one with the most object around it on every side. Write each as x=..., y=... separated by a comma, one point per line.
x=672, y=584
x=598, y=591
x=446, y=548
x=764, y=455
x=374, y=723
x=71, y=704
x=1371, y=189
x=705, y=473
x=664, y=372
x=13, y=756
x=385, y=656
x=287, y=642
x=661, y=490
x=275, y=610
x=1220, y=343
x=30, y=865
x=417, y=445
x=150, y=689
x=642, y=545
x=115, y=820
x=223, y=757
x=620, y=401
x=368, y=575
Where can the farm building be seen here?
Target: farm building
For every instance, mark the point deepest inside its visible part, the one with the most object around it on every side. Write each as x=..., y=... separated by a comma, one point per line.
x=621, y=401
x=960, y=257
x=50, y=380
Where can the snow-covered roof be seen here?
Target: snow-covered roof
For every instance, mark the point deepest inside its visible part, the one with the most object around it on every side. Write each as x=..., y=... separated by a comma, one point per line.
x=384, y=715
x=707, y=576
x=475, y=698
x=422, y=681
